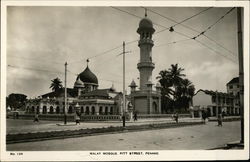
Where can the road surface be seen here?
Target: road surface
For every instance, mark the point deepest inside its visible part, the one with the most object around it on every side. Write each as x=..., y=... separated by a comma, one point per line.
x=197, y=137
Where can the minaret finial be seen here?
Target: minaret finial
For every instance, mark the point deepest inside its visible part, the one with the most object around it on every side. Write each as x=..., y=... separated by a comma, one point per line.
x=146, y=12
x=87, y=62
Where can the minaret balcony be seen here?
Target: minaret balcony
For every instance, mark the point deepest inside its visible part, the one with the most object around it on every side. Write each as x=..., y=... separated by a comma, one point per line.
x=146, y=41
x=145, y=65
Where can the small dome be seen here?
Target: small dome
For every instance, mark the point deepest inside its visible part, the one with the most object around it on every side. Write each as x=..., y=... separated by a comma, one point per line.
x=145, y=23
x=158, y=85
x=78, y=82
x=132, y=84
x=88, y=77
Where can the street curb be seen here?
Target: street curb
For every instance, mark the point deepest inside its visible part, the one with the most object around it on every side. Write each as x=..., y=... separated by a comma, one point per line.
x=40, y=136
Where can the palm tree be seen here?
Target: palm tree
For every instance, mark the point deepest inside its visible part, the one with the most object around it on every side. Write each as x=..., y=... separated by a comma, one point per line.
x=166, y=83
x=176, y=77
x=166, y=91
x=186, y=92
x=56, y=84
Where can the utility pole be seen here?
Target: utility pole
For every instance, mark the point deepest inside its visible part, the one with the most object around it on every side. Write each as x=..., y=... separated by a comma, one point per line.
x=124, y=102
x=241, y=70
x=65, y=95
x=217, y=108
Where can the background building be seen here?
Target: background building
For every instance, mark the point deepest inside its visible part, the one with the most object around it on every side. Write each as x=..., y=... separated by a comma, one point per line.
x=216, y=102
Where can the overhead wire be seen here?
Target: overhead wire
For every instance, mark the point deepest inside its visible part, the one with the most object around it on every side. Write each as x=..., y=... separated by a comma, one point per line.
x=130, y=42
x=188, y=27
x=35, y=69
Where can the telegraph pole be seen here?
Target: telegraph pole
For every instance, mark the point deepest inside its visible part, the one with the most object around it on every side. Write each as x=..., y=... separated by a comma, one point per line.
x=241, y=70
x=65, y=95
x=217, y=108
x=124, y=99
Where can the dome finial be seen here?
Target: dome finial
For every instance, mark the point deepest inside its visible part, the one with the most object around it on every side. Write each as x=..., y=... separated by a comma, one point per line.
x=87, y=62
x=146, y=12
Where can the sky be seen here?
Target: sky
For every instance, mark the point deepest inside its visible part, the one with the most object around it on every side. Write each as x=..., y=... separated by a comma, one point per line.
x=41, y=39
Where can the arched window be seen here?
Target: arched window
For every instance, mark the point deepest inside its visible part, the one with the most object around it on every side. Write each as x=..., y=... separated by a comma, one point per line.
x=100, y=110
x=51, y=111
x=32, y=109
x=82, y=110
x=87, y=110
x=44, y=110
x=28, y=109
x=38, y=110
x=111, y=111
x=58, y=110
x=93, y=110
x=106, y=110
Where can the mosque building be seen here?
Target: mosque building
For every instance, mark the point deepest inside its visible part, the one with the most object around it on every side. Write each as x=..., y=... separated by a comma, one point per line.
x=86, y=96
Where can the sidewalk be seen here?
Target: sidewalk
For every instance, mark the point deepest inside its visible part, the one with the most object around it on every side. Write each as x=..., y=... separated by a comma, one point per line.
x=28, y=126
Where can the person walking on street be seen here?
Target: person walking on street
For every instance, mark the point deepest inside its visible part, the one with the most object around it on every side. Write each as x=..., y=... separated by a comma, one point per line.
x=176, y=116
x=135, y=116
x=36, y=119
x=220, y=120
x=77, y=117
x=204, y=116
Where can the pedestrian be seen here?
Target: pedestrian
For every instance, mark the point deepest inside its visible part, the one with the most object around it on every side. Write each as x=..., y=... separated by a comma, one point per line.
x=204, y=116
x=220, y=120
x=176, y=116
x=36, y=119
x=77, y=117
x=135, y=116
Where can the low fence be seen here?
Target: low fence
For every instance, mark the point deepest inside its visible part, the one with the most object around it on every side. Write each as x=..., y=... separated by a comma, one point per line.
x=71, y=117
x=152, y=116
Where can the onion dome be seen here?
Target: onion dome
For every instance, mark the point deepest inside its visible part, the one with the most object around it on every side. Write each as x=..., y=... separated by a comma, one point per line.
x=88, y=77
x=132, y=84
x=145, y=24
x=112, y=88
x=78, y=82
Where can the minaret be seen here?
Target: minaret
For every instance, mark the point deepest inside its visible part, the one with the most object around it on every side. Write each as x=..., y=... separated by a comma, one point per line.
x=145, y=66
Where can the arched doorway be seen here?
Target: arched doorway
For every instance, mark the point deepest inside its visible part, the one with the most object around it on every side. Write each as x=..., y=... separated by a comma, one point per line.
x=100, y=110
x=57, y=110
x=87, y=110
x=111, y=111
x=155, y=109
x=82, y=110
x=93, y=110
x=44, y=109
x=32, y=109
x=106, y=110
x=38, y=110
x=51, y=110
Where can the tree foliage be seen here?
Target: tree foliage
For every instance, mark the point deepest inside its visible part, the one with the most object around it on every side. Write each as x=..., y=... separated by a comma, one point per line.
x=56, y=84
x=177, y=91
x=16, y=101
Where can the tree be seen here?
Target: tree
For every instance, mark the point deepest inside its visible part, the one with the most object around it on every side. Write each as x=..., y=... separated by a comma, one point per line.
x=56, y=84
x=166, y=92
x=185, y=92
x=16, y=101
x=177, y=91
x=175, y=76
